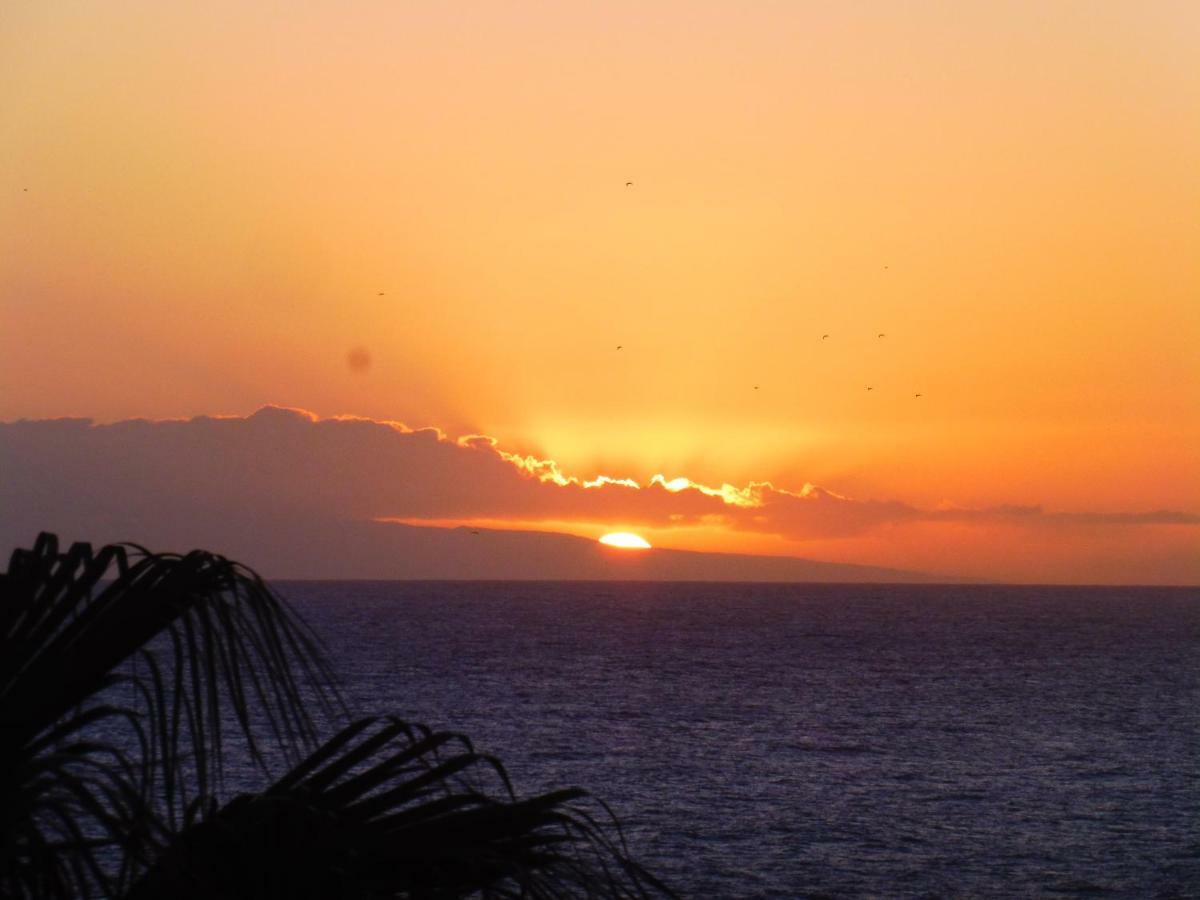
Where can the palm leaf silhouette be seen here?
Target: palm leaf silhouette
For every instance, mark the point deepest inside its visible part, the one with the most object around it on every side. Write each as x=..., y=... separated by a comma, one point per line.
x=126, y=680
x=388, y=809
x=162, y=657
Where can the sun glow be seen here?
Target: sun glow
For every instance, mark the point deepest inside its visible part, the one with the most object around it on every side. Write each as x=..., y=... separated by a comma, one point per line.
x=625, y=540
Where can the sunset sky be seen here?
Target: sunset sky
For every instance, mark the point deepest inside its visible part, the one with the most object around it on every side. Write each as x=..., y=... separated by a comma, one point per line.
x=419, y=213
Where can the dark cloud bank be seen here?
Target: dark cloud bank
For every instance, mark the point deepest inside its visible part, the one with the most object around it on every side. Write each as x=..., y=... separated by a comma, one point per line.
x=299, y=497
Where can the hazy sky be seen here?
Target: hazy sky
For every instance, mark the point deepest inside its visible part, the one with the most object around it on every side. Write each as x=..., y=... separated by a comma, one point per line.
x=419, y=212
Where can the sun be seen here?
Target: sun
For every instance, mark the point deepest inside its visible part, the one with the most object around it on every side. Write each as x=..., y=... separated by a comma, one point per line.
x=625, y=540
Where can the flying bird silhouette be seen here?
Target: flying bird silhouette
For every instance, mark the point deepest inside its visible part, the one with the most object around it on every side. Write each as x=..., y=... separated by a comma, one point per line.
x=380, y=294
x=619, y=346
x=824, y=336
x=881, y=334
x=916, y=395
x=870, y=388
x=629, y=184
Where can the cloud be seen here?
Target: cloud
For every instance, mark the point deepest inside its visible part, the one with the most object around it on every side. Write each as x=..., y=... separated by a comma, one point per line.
x=281, y=466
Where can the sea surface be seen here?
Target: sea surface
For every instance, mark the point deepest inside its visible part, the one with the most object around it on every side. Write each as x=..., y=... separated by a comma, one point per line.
x=819, y=740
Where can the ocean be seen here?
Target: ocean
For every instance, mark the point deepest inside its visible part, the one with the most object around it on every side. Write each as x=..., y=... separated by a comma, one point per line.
x=764, y=740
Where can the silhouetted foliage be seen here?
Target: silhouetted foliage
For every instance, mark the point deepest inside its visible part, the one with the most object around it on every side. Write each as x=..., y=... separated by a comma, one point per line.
x=128, y=678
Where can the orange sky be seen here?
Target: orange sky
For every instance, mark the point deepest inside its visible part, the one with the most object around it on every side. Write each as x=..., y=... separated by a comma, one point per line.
x=201, y=203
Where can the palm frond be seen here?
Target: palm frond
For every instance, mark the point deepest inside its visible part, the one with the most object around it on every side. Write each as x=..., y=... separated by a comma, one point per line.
x=127, y=677
x=163, y=657
x=389, y=809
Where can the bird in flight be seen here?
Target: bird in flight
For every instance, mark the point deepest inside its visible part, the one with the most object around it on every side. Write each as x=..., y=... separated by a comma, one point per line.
x=824, y=336
x=756, y=387
x=881, y=334
x=916, y=395
x=629, y=184
x=869, y=388
x=380, y=294
x=619, y=346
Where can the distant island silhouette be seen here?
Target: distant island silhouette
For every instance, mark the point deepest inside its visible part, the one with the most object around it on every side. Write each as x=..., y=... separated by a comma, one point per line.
x=391, y=550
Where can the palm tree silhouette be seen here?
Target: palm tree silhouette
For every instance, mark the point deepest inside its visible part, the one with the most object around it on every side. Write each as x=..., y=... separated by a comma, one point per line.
x=130, y=680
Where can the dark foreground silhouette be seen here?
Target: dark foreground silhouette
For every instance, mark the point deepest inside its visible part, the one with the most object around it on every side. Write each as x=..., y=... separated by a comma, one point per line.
x=197, y=664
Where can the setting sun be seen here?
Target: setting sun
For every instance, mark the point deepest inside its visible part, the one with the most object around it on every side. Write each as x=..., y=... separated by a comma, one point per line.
x=626, y=540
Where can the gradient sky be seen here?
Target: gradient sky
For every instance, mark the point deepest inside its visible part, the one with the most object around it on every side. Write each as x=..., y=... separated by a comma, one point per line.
x=201, y=205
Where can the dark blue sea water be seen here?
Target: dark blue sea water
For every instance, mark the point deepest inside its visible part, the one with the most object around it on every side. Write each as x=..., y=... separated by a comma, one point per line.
x=807, y=740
